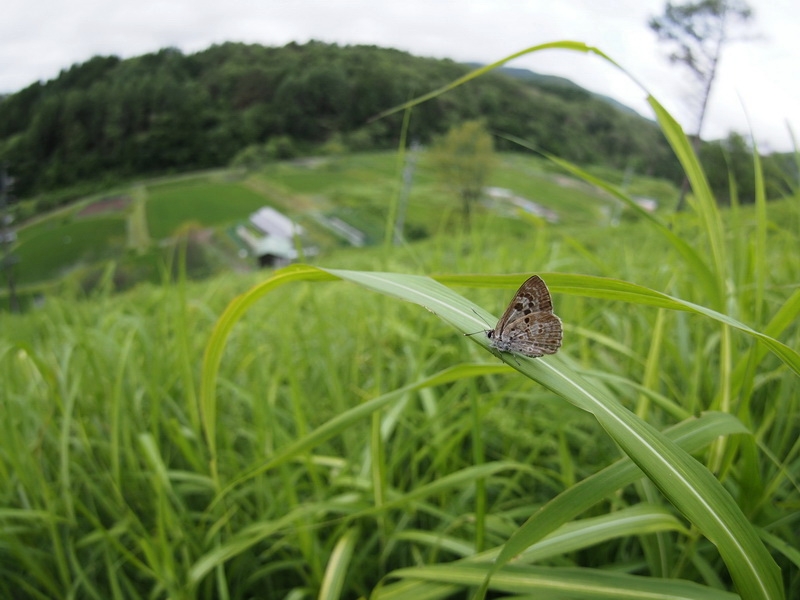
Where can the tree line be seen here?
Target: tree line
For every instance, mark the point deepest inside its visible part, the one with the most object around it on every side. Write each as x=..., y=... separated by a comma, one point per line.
x=109, y=118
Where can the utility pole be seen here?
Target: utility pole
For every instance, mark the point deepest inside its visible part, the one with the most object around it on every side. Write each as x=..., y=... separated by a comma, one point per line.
x=7, y=237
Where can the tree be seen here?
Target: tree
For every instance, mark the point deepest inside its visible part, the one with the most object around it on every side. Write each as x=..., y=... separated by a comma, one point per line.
x=464, y=158
x=697, y=33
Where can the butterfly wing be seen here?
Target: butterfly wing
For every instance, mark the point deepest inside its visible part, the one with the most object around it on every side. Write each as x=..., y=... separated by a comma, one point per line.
x=534, y=335
x=532, y=296
x=529, y=326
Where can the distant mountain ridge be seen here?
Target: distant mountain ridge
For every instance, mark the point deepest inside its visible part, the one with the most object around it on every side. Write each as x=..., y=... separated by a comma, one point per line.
x=556, y=81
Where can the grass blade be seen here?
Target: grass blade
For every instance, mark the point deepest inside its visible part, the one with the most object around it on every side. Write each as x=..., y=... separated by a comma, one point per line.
x=336, y=571
x=616, y=289
x=690, y=487
x=558, y=582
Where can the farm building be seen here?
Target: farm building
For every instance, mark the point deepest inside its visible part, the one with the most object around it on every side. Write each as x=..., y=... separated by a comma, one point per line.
x=276, y=247
x=275, y=224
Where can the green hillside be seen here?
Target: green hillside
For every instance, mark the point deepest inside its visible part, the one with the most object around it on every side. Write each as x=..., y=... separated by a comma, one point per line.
x=109, y=119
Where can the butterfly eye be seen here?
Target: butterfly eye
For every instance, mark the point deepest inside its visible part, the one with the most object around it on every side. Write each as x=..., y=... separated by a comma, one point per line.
x=490, y=334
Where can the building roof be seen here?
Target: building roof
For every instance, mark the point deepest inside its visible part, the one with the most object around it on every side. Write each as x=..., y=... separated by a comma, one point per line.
x=273, y=223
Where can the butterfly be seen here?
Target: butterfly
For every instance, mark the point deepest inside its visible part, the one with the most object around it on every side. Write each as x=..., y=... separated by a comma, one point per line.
x=528, y=326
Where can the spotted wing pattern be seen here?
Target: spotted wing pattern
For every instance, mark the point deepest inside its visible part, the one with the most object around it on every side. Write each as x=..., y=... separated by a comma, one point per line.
x=528, y=326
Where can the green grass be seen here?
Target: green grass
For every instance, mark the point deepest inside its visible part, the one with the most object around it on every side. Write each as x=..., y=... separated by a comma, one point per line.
x=201, y=201
x=53, y=246
x=316, y=433
x=373, y=169
x=336, y=455
x=571, y=199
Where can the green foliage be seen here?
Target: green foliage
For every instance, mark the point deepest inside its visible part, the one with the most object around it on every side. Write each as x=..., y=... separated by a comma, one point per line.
x=729, y=164
x=251, y=158
x=464, y=159
x=255, y=156
x=280, y=147
x=334, y=146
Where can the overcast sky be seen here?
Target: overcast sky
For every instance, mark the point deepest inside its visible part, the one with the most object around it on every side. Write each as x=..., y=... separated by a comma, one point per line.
x=758, y=78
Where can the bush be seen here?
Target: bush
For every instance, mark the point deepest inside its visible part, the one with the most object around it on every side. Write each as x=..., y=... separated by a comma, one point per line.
x=281, y=147
x=251, y=158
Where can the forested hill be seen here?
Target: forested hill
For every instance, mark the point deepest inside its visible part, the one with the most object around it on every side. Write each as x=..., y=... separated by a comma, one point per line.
x=168, y=111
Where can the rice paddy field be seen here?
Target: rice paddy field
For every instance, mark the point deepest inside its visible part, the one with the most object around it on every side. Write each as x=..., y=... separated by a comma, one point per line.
x=315, y=432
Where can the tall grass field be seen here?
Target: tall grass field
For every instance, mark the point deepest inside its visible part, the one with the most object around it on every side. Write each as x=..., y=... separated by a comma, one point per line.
x=327, y=431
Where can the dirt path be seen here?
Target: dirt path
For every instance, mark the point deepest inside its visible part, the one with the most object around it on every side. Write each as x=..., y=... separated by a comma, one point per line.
x=111, y=204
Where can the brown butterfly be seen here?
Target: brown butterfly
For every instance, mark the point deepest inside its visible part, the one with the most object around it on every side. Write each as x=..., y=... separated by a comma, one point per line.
x=528, y=326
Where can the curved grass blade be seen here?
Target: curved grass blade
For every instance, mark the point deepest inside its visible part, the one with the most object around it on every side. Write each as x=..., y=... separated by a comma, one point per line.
x=216, y=345
x=244, y=539
x=617, y=289
x=561, y=582
x=690, y=487
x=563, y=45
x=336, y=571
x=690, y=255
x=691, y=435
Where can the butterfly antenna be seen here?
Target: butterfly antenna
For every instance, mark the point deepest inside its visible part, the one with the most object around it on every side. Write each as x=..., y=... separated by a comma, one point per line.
x=482, y=319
